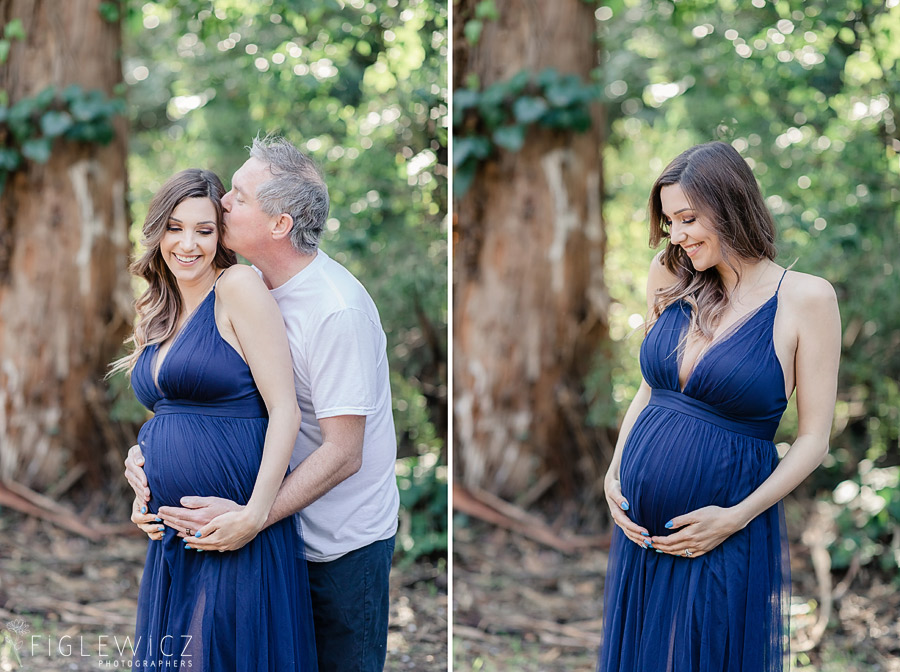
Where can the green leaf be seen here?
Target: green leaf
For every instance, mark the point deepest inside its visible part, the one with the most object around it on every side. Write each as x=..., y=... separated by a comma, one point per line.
x=87, y=108
x=19, y=118
x=37, y=149
x=463, y=177
x=565, y=92
x=519, y=81
x=492, y=105
x=547, y=77
x=45, y=97
x=14, y=30
x=55, y=123
x=510, y=137
x=486, y=9
x=474, y=147
x=72, y=93
x=463, y=99
x=528, y=109
x=9, y=159
x=4, y=50
x=472, y=31
x=109, y=11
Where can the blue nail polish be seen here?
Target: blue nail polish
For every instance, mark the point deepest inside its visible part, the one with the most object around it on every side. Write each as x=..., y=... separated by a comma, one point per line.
x=198, y=535
x=645, y=534
x=143, y=509
x=186, y=547
x=657, y=550
x=161, y=528
x=648, y=543
x=669, y=525
x=157, y=520
x=625, y=506
x=199, y=550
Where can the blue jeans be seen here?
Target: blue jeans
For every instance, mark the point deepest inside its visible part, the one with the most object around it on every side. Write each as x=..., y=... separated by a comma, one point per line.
x=350, y=608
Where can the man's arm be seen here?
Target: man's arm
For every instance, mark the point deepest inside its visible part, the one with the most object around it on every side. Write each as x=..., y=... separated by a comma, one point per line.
x=338, y=458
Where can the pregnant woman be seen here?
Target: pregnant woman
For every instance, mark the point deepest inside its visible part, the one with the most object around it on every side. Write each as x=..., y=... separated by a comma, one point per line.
x=211, y=360
x=698, y=577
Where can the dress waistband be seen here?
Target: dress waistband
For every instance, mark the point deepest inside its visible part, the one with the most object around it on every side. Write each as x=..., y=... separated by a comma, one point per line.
x=762, y=429
x=237, y=408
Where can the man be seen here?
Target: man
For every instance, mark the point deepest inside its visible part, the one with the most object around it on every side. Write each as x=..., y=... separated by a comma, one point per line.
x=342, y=485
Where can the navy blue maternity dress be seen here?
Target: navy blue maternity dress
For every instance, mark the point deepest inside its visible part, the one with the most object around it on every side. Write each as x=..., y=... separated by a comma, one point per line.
x=245, y=610
x=707, y=444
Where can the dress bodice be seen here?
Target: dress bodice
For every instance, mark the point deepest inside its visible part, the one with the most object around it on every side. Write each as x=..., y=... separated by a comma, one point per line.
x=201, y=372
x=738, y=377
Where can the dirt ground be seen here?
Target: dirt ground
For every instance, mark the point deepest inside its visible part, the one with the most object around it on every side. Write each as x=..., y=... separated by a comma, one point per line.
x=520, y=606
x=67, y=603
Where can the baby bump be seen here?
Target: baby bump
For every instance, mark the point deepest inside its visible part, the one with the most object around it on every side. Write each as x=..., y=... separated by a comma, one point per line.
x=200, y=455
x=673, y=463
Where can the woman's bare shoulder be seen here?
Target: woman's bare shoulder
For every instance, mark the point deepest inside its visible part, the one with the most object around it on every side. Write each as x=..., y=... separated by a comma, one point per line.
x=658, y=278
x=808, y=295
x=239, y=285
x=659, y=271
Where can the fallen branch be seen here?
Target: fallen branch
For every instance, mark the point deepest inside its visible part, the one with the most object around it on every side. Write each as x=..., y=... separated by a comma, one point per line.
x=68, y=520
x=23, y=499
x=465, y=502
x=491, y=509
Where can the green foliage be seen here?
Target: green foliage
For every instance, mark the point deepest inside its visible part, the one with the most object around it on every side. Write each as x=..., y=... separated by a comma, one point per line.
x=14, y=30
x=110, y=11
x=485, y=10
x=808, y=93
x=423, y=508
x=360, y=87
x=868, y=511
x=31, y=125
x=501, y=114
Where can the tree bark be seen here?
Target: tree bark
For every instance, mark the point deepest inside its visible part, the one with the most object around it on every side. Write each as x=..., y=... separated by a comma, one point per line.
x=65, y=295
x=530, y=303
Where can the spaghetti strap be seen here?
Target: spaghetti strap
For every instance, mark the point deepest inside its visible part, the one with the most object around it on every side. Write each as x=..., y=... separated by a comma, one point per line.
x=780, y=281
x=225, y=269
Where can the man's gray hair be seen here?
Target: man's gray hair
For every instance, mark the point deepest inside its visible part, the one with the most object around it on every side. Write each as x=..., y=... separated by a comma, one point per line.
x=296, y=188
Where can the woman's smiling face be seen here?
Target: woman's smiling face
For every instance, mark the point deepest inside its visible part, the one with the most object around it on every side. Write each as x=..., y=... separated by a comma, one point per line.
x=688, y=229
x=188, y=245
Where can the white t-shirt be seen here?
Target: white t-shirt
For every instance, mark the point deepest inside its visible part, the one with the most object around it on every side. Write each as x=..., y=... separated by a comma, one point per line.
x=339, y=352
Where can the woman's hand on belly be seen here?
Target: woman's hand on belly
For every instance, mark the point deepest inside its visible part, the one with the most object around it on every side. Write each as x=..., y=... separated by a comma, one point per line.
x=701, y=531
x=149, y=523
x=618, y=506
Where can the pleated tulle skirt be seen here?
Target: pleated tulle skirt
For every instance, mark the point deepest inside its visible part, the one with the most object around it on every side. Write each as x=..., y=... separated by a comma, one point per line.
x=725, y=611
x=244, y=611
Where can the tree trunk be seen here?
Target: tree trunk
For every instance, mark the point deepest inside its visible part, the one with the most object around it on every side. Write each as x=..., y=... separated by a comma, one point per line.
x=65, y=295
x=530, y=303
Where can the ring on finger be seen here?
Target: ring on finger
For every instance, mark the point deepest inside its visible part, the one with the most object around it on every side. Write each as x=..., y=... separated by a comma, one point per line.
x=687, y=553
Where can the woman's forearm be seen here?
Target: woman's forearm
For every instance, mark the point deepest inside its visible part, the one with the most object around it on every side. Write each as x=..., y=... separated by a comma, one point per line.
x=284, y=423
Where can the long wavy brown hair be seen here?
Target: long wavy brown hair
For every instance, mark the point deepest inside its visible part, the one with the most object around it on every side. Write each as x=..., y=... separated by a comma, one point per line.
x=159, y=307
x=721, y=188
